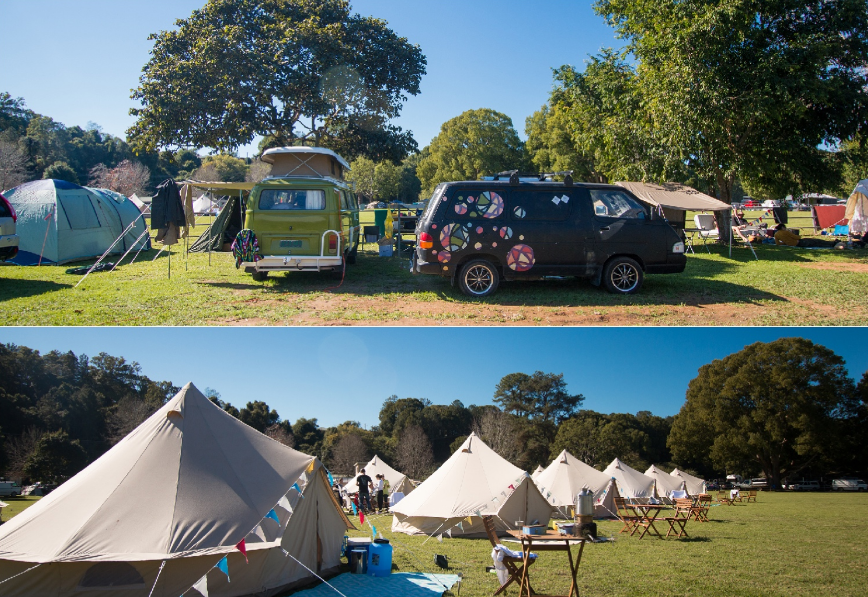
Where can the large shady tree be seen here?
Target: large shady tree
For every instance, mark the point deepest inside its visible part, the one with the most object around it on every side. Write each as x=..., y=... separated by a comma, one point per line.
x=776, y=407
x=290, y=70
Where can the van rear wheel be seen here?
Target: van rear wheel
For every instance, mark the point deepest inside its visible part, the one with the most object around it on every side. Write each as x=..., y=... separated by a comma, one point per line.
x=259, y=276
x=478, y=278
x=622, y=276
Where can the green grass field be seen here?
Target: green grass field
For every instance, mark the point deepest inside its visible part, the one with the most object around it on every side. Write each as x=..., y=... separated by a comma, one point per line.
x=788, y=544
x=786, y=286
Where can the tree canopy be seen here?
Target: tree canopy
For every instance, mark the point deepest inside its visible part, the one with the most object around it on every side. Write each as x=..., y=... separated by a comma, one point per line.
x=292, y=70
x=775, y=407
x=474, y=144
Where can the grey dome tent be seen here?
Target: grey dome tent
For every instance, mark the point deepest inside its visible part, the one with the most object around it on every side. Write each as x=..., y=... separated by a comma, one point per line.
x=65, y=222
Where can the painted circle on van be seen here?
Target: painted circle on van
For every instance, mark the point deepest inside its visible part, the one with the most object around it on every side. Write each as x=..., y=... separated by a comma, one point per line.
x=520, y=258
x=444, y=256
x=477, y=246
x=490, y=205
x=521, y=237
x=506, y=232
x=479, y=230
x=494, y=245
x=460, y=209
x=453, y=237
x=519, y=212
x=433, y=226
x=470, y=199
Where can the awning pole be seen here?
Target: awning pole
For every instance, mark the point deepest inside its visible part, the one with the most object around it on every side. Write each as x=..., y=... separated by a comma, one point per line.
x=210, y=224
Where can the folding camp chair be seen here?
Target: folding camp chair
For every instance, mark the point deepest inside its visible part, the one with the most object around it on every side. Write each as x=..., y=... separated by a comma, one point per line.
x=514, y=565
x=627, y=515
x=706, y=228
x=751, y=496
x=371, y=234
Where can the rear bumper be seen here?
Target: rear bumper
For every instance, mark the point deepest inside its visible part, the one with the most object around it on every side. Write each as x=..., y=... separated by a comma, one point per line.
x=294, y=263
x=424, y=267
x=8, y=246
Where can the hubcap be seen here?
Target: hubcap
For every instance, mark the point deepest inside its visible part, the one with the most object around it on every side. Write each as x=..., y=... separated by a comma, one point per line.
x=478, y=279
x=625, y=277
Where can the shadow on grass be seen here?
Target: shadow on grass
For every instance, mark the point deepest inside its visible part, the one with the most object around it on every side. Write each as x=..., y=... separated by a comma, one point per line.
x=693, y=540
x=12, y=288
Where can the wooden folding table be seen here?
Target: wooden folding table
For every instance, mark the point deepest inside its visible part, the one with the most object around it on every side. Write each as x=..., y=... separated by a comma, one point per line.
x=550, y=541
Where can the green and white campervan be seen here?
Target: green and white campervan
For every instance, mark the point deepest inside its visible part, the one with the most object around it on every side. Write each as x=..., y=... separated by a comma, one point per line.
x=305, y=215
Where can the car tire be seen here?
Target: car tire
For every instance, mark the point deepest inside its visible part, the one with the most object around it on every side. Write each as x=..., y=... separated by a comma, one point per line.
x=622, y=275
x=478, y=278
x=259, y=276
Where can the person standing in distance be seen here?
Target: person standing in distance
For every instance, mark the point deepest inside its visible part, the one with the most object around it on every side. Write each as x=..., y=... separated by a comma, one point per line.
x=365, y=485
x=378, y=488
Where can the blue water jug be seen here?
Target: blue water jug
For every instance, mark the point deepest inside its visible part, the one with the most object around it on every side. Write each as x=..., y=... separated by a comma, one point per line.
x=380, y=558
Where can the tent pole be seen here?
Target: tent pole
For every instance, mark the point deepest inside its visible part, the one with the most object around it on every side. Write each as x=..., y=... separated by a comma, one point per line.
x=210, y=224
x=169, y=252
x=730, y=233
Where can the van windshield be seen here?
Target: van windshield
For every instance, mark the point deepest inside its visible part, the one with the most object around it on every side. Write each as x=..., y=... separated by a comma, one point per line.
x=291, y=199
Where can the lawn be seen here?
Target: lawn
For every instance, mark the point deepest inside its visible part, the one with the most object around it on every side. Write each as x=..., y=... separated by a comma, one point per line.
x=790, y=544
x=786, y=286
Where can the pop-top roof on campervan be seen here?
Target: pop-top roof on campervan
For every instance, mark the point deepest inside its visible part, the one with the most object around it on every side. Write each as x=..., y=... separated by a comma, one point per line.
x=305, y=161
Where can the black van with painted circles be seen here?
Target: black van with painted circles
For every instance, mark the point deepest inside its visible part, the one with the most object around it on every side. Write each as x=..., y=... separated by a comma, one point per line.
x=480, y=232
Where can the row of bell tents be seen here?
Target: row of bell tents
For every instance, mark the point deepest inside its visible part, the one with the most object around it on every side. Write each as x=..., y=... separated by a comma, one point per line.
x=193, y=498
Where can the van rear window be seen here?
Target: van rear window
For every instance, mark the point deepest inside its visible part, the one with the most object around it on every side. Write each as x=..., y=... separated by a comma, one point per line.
x=4, y=211
x=291, y=199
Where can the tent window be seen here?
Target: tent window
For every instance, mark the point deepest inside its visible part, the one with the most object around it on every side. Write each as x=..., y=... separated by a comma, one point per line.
x=79, y=211
x=615, y=204
x=111, y=574
x=286, y=199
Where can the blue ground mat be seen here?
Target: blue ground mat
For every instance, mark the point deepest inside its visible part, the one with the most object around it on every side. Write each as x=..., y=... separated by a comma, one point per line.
x=28, y=258
x=399, y=584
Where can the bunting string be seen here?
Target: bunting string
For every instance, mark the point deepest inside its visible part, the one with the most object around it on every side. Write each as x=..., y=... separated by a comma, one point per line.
x=286, y=553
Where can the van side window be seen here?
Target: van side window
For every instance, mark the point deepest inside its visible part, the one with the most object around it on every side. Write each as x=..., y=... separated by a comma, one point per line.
x=345, y=203
x=291, y=199
x=615, y=204
x=553, y=206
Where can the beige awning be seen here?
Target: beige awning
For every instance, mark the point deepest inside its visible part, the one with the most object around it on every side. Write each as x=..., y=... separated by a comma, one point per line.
x=224, y=187
x=674, y=196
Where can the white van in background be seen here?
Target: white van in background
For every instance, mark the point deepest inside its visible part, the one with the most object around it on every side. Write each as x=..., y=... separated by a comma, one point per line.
x=849, y=484
x=9, y=489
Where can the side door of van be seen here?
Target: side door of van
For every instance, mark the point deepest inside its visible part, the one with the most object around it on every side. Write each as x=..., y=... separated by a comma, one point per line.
x=623, y=227
x=291, y=220
x=349, y=218
x=554, y=227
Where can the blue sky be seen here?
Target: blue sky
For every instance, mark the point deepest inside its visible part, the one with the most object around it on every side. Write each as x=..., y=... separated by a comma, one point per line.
x=77, y=61
x=340, y=374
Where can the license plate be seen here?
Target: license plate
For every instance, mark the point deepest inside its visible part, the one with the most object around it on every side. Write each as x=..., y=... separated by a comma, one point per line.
x=290, y=244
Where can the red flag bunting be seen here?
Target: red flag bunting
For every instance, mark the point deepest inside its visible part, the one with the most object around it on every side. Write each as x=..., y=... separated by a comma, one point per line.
x=242, y=547
x=361, y=517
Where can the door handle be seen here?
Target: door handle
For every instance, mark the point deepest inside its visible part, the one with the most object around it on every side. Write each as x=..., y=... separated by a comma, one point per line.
x=604, y=229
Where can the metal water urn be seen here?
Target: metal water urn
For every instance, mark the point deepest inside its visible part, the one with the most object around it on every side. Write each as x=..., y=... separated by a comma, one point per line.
x=585, y=503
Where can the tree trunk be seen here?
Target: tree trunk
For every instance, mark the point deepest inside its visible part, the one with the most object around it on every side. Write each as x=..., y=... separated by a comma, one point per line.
x=724, y=217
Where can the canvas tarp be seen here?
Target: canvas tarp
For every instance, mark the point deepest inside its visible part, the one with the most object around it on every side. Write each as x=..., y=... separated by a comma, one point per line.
x=64, y=222
x=183, y=488
x=693, y=485
x=631, y=483
x=474, y=479
x=398, y=482
x=222, y=230
x=856, y=211
x=664, y=483
x=566, y=476
x=305, y=161
x=674, y=195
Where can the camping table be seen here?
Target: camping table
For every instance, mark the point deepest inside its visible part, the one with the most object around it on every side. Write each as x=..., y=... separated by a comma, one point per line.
x=649, y=514
x=550, y=541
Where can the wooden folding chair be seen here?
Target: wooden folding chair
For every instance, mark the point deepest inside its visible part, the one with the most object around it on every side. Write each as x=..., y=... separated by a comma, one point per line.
x=627, y=515
x=514, y=566
x=703, y=505
x=751, y=496
x=723, y=498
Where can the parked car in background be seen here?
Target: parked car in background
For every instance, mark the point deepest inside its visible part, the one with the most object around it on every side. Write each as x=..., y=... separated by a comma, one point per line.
x=9, y=489
x=849, y=484
x=804, y=486
x=8, y=236
x=769, y=203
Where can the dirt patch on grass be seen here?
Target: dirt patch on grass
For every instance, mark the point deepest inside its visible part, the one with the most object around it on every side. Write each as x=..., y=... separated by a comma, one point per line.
x=859, y=268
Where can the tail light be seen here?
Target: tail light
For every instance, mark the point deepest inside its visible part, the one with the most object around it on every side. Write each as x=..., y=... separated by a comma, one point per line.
x=11, y=209
x=333, y=242
x=426, y=241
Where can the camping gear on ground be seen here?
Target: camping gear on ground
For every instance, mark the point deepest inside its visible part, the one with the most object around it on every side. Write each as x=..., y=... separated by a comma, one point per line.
x=400, y=584
x=359, y=561
x=380, y=558
x=105, y=266
x=475, y=481
x=155, y=513
x=441, y=561
x=59, y=222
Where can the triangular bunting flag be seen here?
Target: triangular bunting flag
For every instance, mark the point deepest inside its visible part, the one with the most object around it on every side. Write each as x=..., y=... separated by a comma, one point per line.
x=460, y=525
x=284, y=503
x=469, y=520
x=202, y=585
x=440, y=537
x=257, y=530
x=223, y=566
x=449, y=532
x=362, y=517
x=374, y=530
x=310, y=466
x=512, y=487
x=296, y=487
x=494, y=499
x=331, y=479
x=478, y=513
x=273, y=516
x=503, y=493
x=242, y=547
x=355, y=511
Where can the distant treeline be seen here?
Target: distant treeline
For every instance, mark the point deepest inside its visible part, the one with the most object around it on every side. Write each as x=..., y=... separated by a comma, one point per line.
x=60, y=411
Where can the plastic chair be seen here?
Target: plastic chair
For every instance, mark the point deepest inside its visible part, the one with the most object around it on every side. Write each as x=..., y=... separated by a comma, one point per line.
x=706, y=227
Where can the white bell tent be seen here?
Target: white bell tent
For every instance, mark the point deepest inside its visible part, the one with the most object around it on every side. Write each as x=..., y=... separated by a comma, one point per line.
x=566, y=476
x=631, y=483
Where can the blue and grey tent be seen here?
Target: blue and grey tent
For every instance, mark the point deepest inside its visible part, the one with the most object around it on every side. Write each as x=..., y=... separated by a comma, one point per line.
x=64, y=222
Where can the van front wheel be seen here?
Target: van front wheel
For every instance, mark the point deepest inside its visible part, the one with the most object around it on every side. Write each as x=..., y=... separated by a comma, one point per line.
x=478, y=278
x=622, y=276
